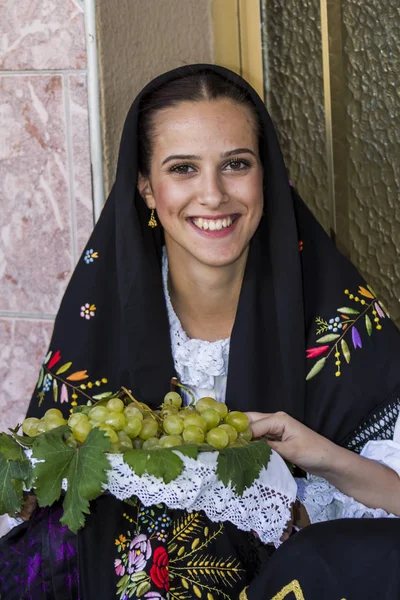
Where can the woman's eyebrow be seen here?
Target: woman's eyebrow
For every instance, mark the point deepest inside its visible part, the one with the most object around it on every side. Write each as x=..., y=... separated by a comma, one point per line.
x=195, y=157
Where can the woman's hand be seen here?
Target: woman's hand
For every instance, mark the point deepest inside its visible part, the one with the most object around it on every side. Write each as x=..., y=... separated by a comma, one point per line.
x=294, y=441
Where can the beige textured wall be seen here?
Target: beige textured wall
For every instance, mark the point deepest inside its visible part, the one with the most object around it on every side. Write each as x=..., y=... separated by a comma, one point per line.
x=138, y=40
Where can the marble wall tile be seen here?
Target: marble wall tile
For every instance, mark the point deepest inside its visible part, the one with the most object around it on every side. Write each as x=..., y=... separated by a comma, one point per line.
x=35, y=232
x=23, y=345
x=41, y=34
x=82, y=185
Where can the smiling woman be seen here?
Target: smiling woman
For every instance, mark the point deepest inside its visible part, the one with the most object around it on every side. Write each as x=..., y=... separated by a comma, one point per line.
x=251, y=310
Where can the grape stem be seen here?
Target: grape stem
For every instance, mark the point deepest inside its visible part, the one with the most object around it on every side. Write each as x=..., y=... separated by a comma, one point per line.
x=141, y=405
x=184, y=387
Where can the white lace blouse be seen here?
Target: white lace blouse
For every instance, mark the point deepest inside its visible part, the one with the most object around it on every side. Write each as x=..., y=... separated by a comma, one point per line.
x=203, y=367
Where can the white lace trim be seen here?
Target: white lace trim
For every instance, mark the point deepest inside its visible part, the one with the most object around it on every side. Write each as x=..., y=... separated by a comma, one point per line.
x=263, y=508
x=197, y=362
x=324, y=502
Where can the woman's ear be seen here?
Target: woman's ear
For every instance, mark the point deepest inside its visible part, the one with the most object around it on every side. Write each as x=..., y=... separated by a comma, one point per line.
x=144, y=188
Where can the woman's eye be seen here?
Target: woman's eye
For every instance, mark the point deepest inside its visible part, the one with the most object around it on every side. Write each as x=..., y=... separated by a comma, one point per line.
x=182, y=169
x=237, y=165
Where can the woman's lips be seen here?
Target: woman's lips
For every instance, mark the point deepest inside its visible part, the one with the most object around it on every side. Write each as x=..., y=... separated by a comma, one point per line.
x=216, y=226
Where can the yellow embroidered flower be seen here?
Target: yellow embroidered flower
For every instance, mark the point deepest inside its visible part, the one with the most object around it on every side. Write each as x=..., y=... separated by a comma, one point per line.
x=121, y=541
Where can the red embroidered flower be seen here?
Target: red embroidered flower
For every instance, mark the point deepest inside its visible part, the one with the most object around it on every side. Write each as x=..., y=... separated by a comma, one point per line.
x=313, y=352
x=159, y=571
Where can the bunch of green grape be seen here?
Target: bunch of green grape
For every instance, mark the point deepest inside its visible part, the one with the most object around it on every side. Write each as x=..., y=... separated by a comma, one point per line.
x=137, y=426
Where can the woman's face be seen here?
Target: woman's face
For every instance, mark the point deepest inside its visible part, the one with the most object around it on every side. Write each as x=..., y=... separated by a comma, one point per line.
x=206, y=180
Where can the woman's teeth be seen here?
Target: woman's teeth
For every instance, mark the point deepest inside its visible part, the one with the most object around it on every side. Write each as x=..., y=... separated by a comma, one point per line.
x=212, y=224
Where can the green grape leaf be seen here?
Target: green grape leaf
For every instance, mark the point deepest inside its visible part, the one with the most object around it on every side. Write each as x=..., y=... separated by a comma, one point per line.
x=63, y=368
x=10, y=449
x=84, y=468
x=345, y=350
x=348, y=311
x=368, y=325
x=240, y=466
x=164, y=463
x=328, y=338
x=319, y=365
x=14, y=470
x=26, y=441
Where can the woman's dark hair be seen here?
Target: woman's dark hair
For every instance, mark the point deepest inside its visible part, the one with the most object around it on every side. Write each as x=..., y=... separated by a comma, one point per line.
x=204, y=85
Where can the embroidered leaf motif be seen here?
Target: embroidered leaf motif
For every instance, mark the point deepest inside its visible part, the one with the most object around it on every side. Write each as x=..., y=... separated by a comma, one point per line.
x=241, y=466
x=366, y=293
x=56, y=358
x=371, y=290
x=55, y=390
x=14, y=470
x=84, y=468
x=64, y=368
x=348, y=311
x=356, y=338
x=41, y=375
x=368, y=325
x=328, y=338
x=345, y=350
x=319, y=365
x=46, y=360
x=78, y=376
x=103, y=395
x=165, y=464
x=379, y=310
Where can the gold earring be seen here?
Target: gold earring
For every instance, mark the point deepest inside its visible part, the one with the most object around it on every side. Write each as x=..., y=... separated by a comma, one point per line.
x=152, y=221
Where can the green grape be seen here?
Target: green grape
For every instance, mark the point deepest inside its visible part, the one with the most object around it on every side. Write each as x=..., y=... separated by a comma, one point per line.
x=169, y=441
x=218, y=438
x=204, y=403
x=53, y=412
x=150, y=444
x=193, y=433
x=211, y=418
x=246, y=435
x=172, y=398
x=138, y=443
x=125, y=443
x=42, y=426
x=54, y=421
x=195, y=419
x=30, y=426
x=238, y=420
x=149, y=428
x=231, y=431
x=81, y=430
x=115, y=405
x=116, y=420
x=173, y=425
x=168, y=411
x=99, y=414
x=133, y=411
x=185, y=412
x=221, y=409
x=109, y=432
x=75, y=418
x=133, y=426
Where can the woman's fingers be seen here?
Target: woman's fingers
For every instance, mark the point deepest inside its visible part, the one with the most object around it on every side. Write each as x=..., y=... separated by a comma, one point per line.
x=269, y=427
x=256, y=416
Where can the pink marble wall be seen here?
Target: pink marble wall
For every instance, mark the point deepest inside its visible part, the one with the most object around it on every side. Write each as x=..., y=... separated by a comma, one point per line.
x=45, y=183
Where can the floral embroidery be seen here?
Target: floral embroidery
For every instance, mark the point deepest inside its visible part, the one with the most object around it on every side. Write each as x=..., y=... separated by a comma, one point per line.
x=159, y=571
x=66, y=383
x=180, y=568
x=332, y=332
x=88, y=311
x=90, y=255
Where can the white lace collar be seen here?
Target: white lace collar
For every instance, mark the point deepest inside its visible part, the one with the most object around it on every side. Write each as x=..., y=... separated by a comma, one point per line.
x=197, y=362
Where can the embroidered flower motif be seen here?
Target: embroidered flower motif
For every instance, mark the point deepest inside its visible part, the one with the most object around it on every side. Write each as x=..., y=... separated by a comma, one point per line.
x=301, y=246
x=313, y=352
x=159, y=571
x=88, y=311
x=139, y=553
x=90, y=255
x=46, y=383
x=119, y=567
x=154, y=596
x=121, y=541
x=54, y=360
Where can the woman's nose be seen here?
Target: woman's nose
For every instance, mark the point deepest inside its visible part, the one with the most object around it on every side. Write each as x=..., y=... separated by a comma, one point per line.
x=212, y=193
